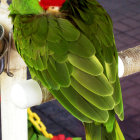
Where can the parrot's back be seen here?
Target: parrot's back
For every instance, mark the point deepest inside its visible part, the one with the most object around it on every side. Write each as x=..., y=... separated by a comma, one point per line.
x=74, y=56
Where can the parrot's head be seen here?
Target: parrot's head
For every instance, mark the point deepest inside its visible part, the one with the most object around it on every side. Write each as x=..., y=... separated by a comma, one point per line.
x=35, y=6
x=51, y=5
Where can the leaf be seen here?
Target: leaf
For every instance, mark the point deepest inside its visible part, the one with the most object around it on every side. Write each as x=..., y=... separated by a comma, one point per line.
x=34, y=137
x=30, y=133
x=40, y=137
x=77, y=138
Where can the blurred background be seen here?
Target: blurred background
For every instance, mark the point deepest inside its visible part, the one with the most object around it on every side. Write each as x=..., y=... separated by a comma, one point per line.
x=126, y=21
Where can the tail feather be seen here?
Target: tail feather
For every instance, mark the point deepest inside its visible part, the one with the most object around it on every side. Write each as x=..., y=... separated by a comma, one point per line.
x=110, y=123
x=99, y=132
x=118, y=131
x=93, y=131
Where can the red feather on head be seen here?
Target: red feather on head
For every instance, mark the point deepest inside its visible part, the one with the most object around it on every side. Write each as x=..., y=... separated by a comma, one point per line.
x=47, y=3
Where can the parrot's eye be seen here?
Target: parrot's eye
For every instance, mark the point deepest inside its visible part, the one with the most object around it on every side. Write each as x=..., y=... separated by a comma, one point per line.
x=54, y=8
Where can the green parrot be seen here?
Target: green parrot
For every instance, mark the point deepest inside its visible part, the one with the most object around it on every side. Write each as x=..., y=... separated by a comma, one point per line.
x=69, y=46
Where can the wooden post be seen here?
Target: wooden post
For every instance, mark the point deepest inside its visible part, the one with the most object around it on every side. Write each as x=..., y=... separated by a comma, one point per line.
x=14, y=119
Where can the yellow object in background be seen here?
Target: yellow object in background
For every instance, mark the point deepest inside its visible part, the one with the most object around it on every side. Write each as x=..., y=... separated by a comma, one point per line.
x=35, y=120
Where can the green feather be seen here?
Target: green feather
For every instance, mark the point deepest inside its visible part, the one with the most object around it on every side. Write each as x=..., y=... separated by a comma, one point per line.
x=68, y=31
x=93, y=131
x=60, y=73
x=119, y=108
x=67, y=105
x=82, y=47
x=34, y=137
x=117, y=91
x=121, y=116
x=90, y=65
x=103, y=103
x=82, y=105
x=110, y=123
x=111, y=71
x=53, y=31
x=96, y=84
x=51, y=83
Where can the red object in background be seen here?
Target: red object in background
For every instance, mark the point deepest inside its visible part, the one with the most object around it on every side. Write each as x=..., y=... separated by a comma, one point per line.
x=61, y=137
x=46, y=3
x=68, y=138
x=54, y=138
